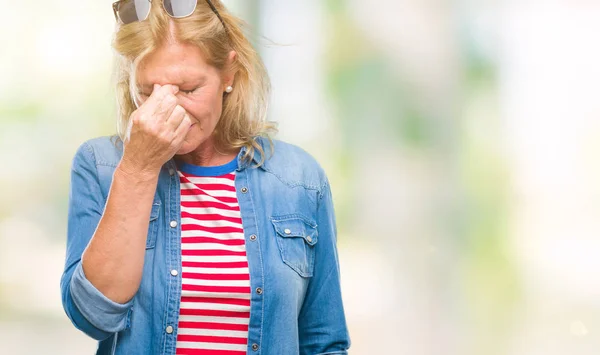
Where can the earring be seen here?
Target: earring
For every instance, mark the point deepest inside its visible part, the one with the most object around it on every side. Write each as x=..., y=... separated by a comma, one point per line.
x=229, y=89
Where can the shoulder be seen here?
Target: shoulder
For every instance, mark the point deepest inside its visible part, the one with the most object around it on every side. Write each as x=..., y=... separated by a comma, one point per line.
x=105, y=150
x=293, y=165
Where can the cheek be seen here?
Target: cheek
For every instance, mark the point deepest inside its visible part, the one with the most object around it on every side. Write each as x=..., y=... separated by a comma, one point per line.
x=199, y=131
x=206, y=108
x=195, y=136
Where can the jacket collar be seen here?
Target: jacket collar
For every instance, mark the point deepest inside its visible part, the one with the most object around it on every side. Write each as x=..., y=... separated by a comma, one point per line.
x=244, y=163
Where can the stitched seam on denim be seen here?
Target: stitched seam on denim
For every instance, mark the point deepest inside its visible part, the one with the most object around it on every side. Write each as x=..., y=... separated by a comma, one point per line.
x=280, y=237
x=110, y=311
x=93, y=152
x=292, y=183
x=286, y=217
x=320, y=191
x=153, y=227
x=262, y=313
x=166, y=311
x=90, y=151
x=154, y=218
x=103, y=163
x=176, y=256
x=96, y=163
x=296, y=268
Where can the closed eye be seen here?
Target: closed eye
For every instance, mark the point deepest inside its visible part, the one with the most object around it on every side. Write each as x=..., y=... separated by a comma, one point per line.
x=188, y=91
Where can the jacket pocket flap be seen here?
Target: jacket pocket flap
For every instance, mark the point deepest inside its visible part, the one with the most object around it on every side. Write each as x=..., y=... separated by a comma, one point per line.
x=296, y=227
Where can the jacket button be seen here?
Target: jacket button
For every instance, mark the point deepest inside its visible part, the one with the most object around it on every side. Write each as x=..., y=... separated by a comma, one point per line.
x=253, y=237
x=244, y=190
x=169, y=329
x=309, y=239
x=254, y=346
x=287, y=231
x=259, y=290
x=173, y=224
x=174, y=272
x=171, y=172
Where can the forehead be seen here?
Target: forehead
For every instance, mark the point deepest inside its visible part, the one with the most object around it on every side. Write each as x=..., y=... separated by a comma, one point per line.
x=174, y=63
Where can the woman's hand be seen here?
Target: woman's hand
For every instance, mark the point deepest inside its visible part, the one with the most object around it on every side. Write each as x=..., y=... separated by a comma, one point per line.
x=157, y=131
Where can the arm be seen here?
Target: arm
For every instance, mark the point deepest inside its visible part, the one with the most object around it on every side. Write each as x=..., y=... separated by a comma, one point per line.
x=322, y=324
x=106, y=243
x=105, y=247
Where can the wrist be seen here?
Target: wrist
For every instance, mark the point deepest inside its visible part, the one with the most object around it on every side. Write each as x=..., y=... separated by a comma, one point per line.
x=137, y=173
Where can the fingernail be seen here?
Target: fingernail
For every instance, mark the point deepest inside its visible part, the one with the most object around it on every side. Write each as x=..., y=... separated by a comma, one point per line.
x=156, y=86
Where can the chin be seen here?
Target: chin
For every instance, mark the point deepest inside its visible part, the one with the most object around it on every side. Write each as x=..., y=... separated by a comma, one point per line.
x=188, y=147
x=193, y=140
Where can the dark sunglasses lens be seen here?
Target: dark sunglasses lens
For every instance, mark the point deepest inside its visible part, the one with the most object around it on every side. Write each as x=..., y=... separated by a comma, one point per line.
x=134, y=10
x=179, y=8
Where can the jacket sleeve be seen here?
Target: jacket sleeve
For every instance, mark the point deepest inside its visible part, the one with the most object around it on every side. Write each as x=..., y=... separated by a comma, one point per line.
x=322, y=324
x=89, y=310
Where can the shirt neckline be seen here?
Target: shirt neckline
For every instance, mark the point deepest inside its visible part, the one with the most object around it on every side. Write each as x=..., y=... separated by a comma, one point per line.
x=208, y=170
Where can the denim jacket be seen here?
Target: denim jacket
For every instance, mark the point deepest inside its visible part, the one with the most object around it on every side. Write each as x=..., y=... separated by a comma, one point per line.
x=298, y=309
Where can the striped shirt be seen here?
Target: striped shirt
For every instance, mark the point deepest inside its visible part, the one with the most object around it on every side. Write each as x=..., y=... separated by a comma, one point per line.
x=215, y=296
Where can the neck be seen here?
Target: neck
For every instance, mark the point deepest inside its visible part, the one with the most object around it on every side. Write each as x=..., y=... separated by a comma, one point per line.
x=207, y=155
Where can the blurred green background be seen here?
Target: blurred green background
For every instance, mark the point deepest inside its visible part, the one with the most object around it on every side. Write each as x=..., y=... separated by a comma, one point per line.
x=461, y=139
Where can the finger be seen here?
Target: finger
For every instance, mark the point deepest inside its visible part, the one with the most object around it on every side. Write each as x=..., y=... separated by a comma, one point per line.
x=182, y=130
x=176, y=116
x=165, y=108
x=153, y=100
x=156, y=98
x=165, y=101
x=168, y=103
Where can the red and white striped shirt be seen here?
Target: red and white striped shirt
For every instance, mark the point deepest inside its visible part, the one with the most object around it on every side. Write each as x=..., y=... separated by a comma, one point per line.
x=215, y=297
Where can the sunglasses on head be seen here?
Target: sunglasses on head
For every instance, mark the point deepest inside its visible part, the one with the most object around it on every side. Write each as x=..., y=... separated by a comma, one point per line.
x=129, y=11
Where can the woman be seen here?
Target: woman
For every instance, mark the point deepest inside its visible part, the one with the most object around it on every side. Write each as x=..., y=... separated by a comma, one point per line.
x=192, y=233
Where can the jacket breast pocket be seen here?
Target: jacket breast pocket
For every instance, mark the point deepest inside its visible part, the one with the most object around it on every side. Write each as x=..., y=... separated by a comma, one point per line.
x=296, y=239
x=153, y=225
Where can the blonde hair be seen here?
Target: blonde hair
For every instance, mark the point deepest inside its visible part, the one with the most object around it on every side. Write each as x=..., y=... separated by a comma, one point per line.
x=244, y=110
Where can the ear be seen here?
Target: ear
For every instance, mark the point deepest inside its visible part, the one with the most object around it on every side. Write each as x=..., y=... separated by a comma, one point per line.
x=230, y=70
